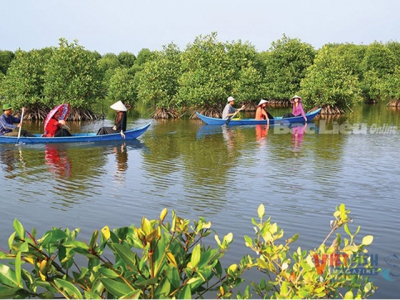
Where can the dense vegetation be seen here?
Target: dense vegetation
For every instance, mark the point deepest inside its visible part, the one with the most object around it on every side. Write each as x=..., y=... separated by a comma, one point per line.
x=173, y=82
x=173, y=260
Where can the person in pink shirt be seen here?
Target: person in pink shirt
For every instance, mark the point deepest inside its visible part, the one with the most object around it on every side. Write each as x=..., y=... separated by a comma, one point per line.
x=297, y=108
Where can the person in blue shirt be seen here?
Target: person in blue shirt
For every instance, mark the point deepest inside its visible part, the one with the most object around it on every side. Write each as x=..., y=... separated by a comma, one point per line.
x=7, y=121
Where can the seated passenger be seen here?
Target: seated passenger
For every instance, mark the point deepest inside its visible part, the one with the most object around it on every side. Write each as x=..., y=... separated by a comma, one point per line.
x=261, y=112
x=297, y=108
x=56, y=127
x=119, y=122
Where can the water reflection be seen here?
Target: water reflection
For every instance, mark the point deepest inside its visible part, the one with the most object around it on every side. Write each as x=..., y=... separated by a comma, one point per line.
x=298, y=131
x=66, y=174
x=58, y=161
x=121, y=157
x=197, y=176
x=227, y=134
x=8, y=159
x=206, y=130
x=261, y=134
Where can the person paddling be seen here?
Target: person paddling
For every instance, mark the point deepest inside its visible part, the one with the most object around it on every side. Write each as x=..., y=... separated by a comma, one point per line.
x=229, y=111
x=7, y=121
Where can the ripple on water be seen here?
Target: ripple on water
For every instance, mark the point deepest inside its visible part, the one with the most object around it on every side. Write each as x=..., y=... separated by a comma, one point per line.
x=299, y=185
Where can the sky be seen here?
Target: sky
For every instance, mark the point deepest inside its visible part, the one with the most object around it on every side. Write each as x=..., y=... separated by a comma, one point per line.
x=115, y=26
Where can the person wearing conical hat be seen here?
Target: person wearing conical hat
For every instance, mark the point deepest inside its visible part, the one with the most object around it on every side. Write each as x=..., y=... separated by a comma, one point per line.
x=261, y=113
x=297, y=108
x=120, y=120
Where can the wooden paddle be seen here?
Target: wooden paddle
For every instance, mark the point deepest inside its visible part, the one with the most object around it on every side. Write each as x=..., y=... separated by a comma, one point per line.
x=229, y=119
x=20, y=127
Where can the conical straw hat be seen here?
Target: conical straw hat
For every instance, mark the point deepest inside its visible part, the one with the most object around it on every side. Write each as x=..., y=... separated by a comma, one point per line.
x=118, y=106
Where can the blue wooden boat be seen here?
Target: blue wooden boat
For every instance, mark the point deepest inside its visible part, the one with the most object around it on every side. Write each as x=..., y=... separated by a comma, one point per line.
x=274, y=121
x=75, y=138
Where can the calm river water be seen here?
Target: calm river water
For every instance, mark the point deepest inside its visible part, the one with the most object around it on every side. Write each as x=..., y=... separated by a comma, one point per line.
x=223, y=174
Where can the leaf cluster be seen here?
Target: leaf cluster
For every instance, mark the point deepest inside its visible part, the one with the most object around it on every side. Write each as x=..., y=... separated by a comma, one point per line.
x=160, y=259
x=203, y=75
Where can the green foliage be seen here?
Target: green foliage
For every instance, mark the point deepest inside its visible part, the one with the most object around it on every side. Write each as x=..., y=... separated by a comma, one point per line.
x=380, y=59
x=331, y=80
x=353, y=56
x=126, y=59
x=107, y=62
x=143, y=56
x=379, y=65
x=394, y=47
x=248, y=84
x=207, y=73
x=175, y=79
x=248, y=71
x=372, y=87
x=6, y=58
x=243, y=55
x=391, y=83
x=23, y=85
x=121, y=86
x=285, y=66
x=385, y=88
x=161, y=259
x=324, y=272
x=202, y=76
x=157, y=83
x=72, y=75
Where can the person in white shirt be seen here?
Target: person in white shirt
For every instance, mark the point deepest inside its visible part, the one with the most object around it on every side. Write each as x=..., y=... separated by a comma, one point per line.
x=229, y=111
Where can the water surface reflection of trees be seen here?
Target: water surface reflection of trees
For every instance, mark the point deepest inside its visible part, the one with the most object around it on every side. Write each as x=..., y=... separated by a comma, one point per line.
x=66, y=174
x=204, y=156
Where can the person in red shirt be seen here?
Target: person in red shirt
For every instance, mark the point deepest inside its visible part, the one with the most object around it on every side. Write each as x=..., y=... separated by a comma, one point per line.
x=55, y=127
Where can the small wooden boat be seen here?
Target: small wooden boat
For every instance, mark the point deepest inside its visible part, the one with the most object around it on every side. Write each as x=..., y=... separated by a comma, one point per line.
x=75, y=138
x=274, y=121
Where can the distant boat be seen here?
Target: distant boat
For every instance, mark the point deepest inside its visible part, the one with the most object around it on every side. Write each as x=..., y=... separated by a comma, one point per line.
x=274, y=121
x=75, y=138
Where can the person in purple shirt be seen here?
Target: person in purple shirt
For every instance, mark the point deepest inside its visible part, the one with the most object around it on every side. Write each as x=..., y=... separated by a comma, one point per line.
x=7, y=121
x=297, y=108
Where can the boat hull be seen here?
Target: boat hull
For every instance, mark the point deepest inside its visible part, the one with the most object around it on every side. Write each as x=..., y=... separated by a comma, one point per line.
x=76, y=138
x=275, y=121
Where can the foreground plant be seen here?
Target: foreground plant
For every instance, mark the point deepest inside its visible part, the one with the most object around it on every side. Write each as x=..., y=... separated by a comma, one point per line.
x=325, y=272
x=170, y=260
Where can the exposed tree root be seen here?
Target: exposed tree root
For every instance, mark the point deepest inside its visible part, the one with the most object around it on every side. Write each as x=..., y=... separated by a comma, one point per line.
x=164, y=113
x=394, y=103
x=209, y=112
x=331, y=110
